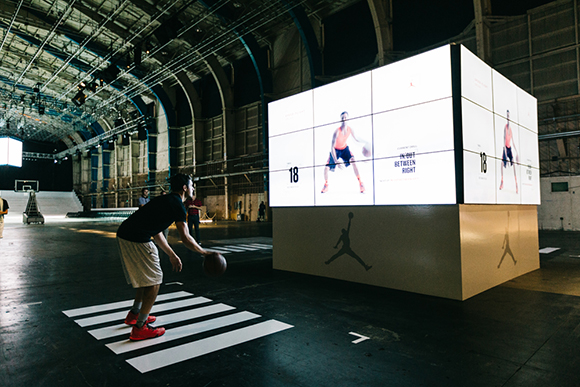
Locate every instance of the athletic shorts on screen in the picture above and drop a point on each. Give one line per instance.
(343, 154)
(507, 155)
(140, 263)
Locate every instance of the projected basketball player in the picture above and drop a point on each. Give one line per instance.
(345, 249)
(339, 150)
(507, 152)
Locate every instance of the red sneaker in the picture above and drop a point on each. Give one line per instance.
(325, 188)
(131, 319)
(146, 332)
(362, 188)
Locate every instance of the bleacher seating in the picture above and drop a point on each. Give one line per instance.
(49, 202)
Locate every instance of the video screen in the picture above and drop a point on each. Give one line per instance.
(500, 140)
(10, 152)
(387, 137)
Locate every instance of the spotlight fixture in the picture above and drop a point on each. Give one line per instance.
(36, 88)
(82, 85)
(79, 98)
(92, 86)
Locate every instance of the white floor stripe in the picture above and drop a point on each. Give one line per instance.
(183, 331)
(548, 250)
(201, 347)
(232, 248)
(261, 245)
(119, 305)
(122, 329)
(248, 247)
(120, 316)
(221, 251)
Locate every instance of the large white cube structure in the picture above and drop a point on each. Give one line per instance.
(422, 175)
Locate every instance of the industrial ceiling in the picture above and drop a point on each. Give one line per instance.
(66, 64)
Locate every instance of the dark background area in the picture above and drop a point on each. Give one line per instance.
(51, 176)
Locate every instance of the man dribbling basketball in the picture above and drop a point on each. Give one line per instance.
(339, 150)
(140, 257)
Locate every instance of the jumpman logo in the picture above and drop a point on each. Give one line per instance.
(345, 249)
(506, 244)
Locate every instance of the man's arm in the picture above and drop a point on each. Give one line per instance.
(361, 140)
(173, 258)
(187, 240)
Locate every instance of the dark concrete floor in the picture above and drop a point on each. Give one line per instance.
(523, 333)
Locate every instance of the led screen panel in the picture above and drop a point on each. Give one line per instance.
(499, 126)
(419, 79)
(478, 155)
(343, 178)
(399, 116)
(294, 188)
(290, 114)
(476, 83)
(4, 150)
(10, 152)
(351, 95)
(413, 178)
(387, 137)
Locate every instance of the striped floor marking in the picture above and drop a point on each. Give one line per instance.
(119, 305)
(201, 347)
(181, 332)
(205, 321)
(239, 248)
(120, 316)
(122, 329)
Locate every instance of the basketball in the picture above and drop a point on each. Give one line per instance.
(366, 150)
(214, 264)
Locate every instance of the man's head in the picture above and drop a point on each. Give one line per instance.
(181, 183)
(145, 192)
(508, 115)
(343, 116)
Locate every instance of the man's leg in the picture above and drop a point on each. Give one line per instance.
(196, 225)
(1, 226)
(190, 224)
(149, 295)
(325, 188)
(355, 169)
(133, 314)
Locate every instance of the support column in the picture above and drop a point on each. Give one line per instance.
(382, 13)
(227, 98)
(482, 9)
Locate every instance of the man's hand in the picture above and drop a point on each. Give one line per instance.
(176, 263)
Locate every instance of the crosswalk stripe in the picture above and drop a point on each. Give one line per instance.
(221, 251)
(261, 245)
(251, 247)
(183, 331)
(122, 329)
(156, 308)
(247, 247)
(118, 305)
(201, 347)
(231, 248)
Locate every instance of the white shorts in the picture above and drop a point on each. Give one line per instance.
(140, 263)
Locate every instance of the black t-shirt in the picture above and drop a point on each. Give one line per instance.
(152, 218)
